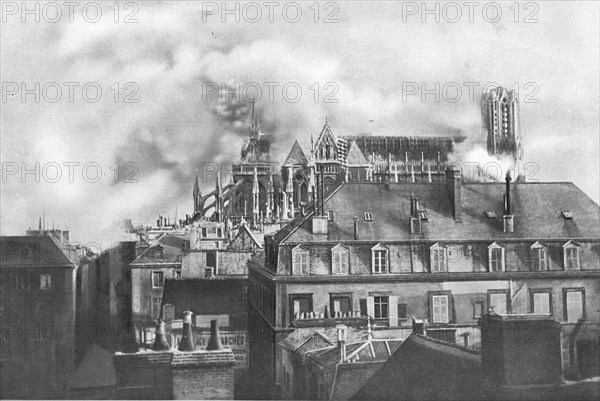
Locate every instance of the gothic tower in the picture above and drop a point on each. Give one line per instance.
(500, 109)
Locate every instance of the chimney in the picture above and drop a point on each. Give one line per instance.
(187, 339)
(214, 343)
(418, 327)
(160, 340)
(454, 190)
(341, 341)
(509, 218)
(356, 229)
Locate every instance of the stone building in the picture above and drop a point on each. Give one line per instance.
(37, 314)
(446, 252)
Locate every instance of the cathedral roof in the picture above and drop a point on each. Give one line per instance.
(400, 147)
(355, 157)
(296, 156)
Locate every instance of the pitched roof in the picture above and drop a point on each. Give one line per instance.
(424, 368)
(296, 156)
(351, 377)
(171, 246)
(355, 156)
(244, 240)
(301, 335)
(364, 351)
(32, 250)
(401, 146)
(536, 208)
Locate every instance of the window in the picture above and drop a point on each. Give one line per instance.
(209, 272)
(330, 215)
(440, 308)
(177, 274)
(341, 303)
(566, 213)
(379, 259)
(157, 279)
(219, 232)
(477, 308)
(300, 261)
(204, 233)
(402, 311)
(22, 281)
(211, 259)
(368, 216)
(380, 308)
(158, 252)
(498, 301)
(299, 304)
(571, 252)
(496, 258)
(541, 301)
(423, 215)
(439, 258)
(574, 304)
(539, 257)
(155, 307)
(168, 312)
(339, 260)
(45, 281)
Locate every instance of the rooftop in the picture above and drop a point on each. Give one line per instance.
(32, 250)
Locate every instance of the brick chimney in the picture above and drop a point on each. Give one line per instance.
(509, 218)
(453, 184)
(187, 338)
(341, 341)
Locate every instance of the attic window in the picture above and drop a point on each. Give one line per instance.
(423, 215)
(567, 214)
(330, 215)
(490, 214)
(368, 216)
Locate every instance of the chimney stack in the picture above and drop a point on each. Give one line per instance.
(356, 229)
(508, 218)
(341, 341)
(418, 327)
(187, 339)
(160, 339)
(214, 343)
(453, 184)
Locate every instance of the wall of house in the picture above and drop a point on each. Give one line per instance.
(143, 292)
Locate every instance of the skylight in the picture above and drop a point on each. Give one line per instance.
(490, 214)
(567, 214)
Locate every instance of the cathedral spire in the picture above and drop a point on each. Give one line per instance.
(197, 196)
(254, 124)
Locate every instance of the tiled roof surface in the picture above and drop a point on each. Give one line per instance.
(171, 250)
(297, 338)
(296, 156)
(34, 250)
(350, 377)
(536, 208)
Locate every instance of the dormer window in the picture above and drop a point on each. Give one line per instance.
(379, 254)
(339, 260)
(566, 213)
(330, 215)
(438, 258)
(158, 252)
(423, 215)
(368, 216)
(300, 261)
(572, 260)
(539, 257)
(496, 258)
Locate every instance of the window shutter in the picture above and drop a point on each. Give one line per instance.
(393, 311)
(371, 306)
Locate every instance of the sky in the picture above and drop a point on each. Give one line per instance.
(133, 101)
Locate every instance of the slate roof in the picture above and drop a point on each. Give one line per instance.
(296, 156)
(351, 377)
(424, 368)
(355, 157)
(172, 251)
(32, 250)
(536, 208)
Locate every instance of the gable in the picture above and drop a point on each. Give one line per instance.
(296, 156)
(244, 240)
(355, 156)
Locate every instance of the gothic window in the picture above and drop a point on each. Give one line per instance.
(496, 258)
(339, 260)
(572, 256)
(300, 261)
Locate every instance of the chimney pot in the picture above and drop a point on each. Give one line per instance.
(214, 343)
(187, 339)
(160, 340)
(453, 183)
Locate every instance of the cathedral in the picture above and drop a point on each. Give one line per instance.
(263, 191)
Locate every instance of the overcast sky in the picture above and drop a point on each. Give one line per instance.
(369, 57)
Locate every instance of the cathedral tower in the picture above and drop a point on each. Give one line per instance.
(500, 109)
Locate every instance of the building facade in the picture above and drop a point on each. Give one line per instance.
(446, 252)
